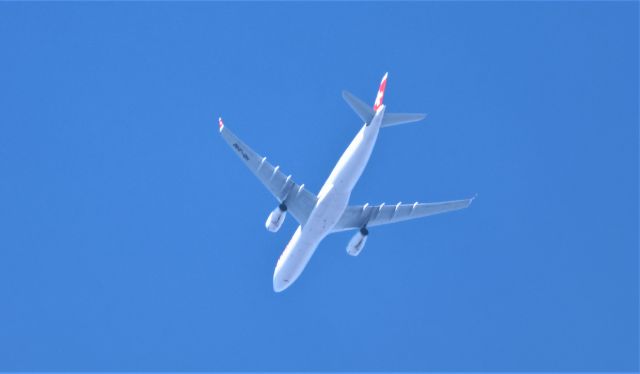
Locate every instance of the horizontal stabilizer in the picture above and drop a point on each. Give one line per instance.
(366, 114)
(363, 110)
(392, 119)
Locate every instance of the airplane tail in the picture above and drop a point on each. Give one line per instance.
(383, 84)
(366, 113)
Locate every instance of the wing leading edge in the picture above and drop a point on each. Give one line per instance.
(358, 216)
(298, 200)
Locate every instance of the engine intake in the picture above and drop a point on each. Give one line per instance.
(356, 244)
(276, 218)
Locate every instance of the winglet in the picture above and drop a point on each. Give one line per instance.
(380, 96)
(220, 123)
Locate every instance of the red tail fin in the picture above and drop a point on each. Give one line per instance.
(383, 85)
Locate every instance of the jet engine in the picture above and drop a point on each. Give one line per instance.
(276, 218)
(357, 242)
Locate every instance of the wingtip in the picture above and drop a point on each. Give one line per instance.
(473, 198)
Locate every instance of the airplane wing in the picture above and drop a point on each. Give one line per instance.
(298, 200)
(358, 216)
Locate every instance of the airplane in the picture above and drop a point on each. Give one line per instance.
(329, 211)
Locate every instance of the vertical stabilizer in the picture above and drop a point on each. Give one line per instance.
(380, 96)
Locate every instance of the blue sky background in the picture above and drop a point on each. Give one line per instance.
(133, 238)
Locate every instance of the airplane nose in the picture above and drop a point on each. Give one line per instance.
(279, 284)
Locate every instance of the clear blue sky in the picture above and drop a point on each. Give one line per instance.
(132, 238)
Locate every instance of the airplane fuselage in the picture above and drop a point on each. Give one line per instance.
(329, 211)
(333, 199)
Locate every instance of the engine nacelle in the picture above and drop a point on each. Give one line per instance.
(357, 242)
(276, 218)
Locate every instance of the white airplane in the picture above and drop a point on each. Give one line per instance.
(329, 212)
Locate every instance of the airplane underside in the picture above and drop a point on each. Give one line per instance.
(330, 211)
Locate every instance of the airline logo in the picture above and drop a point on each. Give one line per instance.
(220, 124)
(383, 85)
